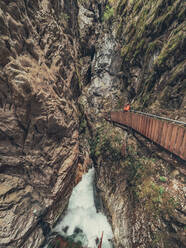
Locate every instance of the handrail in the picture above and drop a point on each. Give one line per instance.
(159, 117)
(169, 135)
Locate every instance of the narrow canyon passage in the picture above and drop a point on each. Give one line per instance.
(82, 221)
(64, 66)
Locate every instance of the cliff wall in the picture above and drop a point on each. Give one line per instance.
(63, 64)
(153, 41)
(39, 145)
(139, 57)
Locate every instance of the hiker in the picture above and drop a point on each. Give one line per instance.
(126, 107)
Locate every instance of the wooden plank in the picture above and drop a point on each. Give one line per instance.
(172, 141)
(160, 131)
(139, 118)
(112, 116)
(141, 124)
(182, 151)
(152, 129)
(130, 119)
(163, 135)
(145, 120)
(125, 118)
(149, 127)
(168, 136)
(146, 125)
(122, 117)
(155, 131)
(179, 140)
(135, 121)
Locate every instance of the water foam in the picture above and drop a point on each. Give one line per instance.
(81, 214)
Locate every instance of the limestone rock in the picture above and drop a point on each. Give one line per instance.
(38, 116)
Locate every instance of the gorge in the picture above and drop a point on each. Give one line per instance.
(63, 65)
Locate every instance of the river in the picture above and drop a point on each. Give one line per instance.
(82, 222)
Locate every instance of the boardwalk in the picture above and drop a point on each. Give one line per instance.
(171, 136)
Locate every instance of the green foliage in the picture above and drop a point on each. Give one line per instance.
(103, 145)
(109, 13)
(176, 41)
(163, 179)
(153, 46)
(144, 188)
(161, 190)
(145, 22)
(93, 144)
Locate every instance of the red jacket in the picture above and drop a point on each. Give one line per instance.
(126, 108)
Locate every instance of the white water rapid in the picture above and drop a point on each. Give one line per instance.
(82, 215)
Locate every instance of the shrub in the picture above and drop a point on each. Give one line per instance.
(102, 145)
(163, 179)
(108, 14)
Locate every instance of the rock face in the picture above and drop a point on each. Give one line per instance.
(153, 49)
(135, 61)
(39, 146)
(63, 64)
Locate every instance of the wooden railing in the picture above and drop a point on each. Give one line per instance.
(163, 132)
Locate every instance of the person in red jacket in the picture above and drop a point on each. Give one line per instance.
(126, 107)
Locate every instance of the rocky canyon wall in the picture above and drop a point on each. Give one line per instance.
(139, 57)
(63, 64)
(153, 41)
(39, 145)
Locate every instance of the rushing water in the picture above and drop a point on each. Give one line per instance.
(82, 222)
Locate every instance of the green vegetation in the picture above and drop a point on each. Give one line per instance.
(177, 40)
(110, 10)
(108, 13)
(154, 46)
(143, 186)
(153, 32)
(163, 179)
(103, 145)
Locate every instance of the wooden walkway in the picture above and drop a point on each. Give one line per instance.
(165, 133)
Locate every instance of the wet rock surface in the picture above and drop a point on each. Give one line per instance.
(101, 95)
(38, 117)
